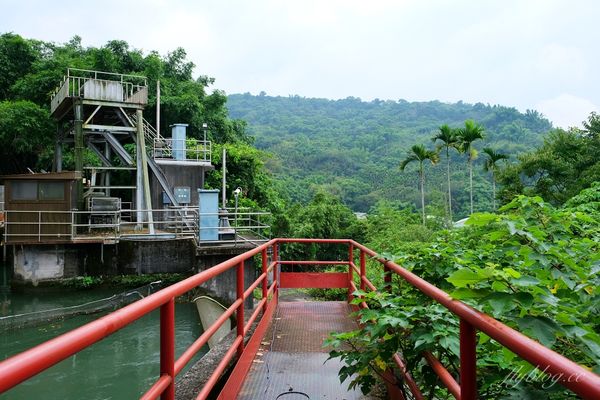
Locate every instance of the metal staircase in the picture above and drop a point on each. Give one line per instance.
(154, 139)
(151, 135)
(157, 171)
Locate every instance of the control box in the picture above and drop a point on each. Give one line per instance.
(183, 194)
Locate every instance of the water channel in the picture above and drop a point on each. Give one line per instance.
(122, 366)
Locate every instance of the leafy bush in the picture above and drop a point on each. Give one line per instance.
(532, 266)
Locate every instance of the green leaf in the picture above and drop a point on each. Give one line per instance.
(524, 298)
(592, 341)
(564, 318)
(541, 328)
(451, 343)
(500, 302)
(464, 277)
(466, 293)
(512, 272)
(481, 219)
(525, 281)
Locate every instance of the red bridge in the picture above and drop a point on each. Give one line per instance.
(291, 342)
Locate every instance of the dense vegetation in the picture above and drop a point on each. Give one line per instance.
(353, 148)
(533, 266)
(565, 164)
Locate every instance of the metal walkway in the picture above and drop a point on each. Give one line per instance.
(292, 363)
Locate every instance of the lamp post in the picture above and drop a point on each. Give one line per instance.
(236, 194)
(204, 130)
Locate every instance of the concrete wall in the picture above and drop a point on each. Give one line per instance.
(224, 286)
(33, 264)
(151, 257)
(36, 264)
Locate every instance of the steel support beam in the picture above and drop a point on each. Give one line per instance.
(99, 153)
(110, 127)
(78, 126)
(117, 147)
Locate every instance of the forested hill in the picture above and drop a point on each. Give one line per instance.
(353, 148)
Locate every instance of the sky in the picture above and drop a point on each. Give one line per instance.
(527, 54)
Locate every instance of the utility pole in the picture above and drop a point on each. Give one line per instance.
(158, 107)
(224, 185)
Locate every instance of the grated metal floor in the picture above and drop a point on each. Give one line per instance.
(291, 363)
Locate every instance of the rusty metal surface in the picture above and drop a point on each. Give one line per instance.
(291, 361)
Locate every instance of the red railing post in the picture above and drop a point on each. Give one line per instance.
(387, 279)
(363, 270)
(350, 270)
(240, 311)
(167, 346)
(265, 282)
(276, 269)
(468, 361)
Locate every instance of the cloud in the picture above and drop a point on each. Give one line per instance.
(567, 63)
(566, 110)
(518, 53)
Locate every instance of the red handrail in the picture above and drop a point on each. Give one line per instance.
(23, 366)
(568, 373)
(29, 363)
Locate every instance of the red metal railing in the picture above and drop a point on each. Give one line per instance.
(35, 360)
(29, 363)
(586, 384)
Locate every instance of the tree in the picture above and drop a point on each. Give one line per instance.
(491, 165)
(420, 154)
(449, 140)
(325, 216)
(467, 135)
(592, 125)
(370, 139)
(16, 58)
(26, 133)
(564, 165)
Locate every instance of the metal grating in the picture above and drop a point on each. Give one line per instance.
(303, 326)
(295, 376)
(292, 363)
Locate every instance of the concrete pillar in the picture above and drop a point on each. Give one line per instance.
(58, 156)
(143, 181)
(139, 172)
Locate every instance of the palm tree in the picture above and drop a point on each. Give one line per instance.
(420, 154)
(491, 165)
(449, 140)
(467, 135)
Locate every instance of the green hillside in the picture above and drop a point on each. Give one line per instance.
(352, 148)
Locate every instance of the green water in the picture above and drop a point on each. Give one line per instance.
(122, 366)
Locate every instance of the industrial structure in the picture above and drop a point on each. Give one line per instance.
(137, 185)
